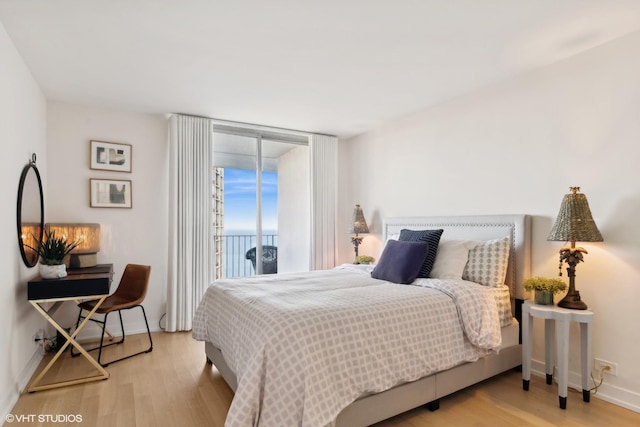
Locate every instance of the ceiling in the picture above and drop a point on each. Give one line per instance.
(339, 67)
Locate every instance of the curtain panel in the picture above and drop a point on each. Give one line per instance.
(324, 191)
(191, 252)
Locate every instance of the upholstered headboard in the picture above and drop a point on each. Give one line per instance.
(480, 227)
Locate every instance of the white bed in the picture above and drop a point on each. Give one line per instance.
(371, 404)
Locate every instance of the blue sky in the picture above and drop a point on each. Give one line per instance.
(240, 200)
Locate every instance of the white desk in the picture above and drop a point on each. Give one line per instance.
(560, 318)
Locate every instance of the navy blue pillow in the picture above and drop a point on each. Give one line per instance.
(400, 262)
(432, 237)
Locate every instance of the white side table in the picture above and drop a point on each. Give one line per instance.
(560, 318)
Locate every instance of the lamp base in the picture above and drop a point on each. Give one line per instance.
(83, 260)
(572, 301)
(356, 240)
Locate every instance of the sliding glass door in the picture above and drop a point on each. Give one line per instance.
(262, 213)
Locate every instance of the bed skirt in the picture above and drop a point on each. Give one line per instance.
(373, 408)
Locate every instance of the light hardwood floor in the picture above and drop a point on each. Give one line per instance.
(173, 386)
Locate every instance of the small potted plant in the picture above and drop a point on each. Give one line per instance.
(544, 288)
(364, 259)
(52, 251)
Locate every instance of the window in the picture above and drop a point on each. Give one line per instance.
(262, 201)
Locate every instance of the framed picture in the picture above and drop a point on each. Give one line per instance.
(110, 193)
(110, 156)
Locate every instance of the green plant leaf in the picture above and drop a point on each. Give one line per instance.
(53, 249)
(538, 283)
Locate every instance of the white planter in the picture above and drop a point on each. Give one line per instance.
(52, 271)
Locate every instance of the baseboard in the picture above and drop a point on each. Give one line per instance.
(609, 393)
(22, 381)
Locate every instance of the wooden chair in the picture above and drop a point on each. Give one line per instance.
(131, 291)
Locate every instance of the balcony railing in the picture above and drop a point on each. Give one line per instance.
(235, 248)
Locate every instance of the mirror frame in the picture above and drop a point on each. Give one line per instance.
(31, 166)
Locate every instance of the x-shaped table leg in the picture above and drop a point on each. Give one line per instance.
(70, 339)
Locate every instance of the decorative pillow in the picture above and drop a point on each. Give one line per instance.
(451, 258)
(432, 237)
(400, 262)
(488, 262)
(391, 237)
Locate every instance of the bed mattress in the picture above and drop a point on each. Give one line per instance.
(304, 346)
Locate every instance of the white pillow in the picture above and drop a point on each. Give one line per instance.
(391, 237)
(451, 258)
(488, 262)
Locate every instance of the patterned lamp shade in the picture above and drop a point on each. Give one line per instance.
(358, 223)
(574, 222)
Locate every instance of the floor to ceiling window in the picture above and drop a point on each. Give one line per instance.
(262, 223)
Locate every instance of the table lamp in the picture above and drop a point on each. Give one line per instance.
(88, 236)
(574, 223)
(358, 226)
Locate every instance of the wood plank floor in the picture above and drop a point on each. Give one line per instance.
(174, 386)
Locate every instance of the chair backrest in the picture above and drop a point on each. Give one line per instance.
(134, 283)
(269, 258)
(269, 253)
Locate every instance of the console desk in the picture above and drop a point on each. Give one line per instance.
(90, 283)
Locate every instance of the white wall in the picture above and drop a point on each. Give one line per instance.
(137, 235)
(22, 132)
(517, 147)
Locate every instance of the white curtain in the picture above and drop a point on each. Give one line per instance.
(191, 254)
(324, 190)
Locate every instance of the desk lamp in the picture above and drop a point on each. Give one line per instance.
(88, 236)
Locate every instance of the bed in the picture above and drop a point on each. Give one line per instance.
(292, 371)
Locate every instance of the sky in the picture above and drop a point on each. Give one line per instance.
(240, 200)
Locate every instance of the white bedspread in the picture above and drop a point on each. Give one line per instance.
(304, 346)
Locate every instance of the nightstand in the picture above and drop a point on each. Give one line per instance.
(557, 319)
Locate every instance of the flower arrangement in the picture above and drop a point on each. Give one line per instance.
(364, 259)
(544, 284)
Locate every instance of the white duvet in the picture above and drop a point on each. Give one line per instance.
(304, 346)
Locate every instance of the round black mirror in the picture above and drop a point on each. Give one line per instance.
(30, 212)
